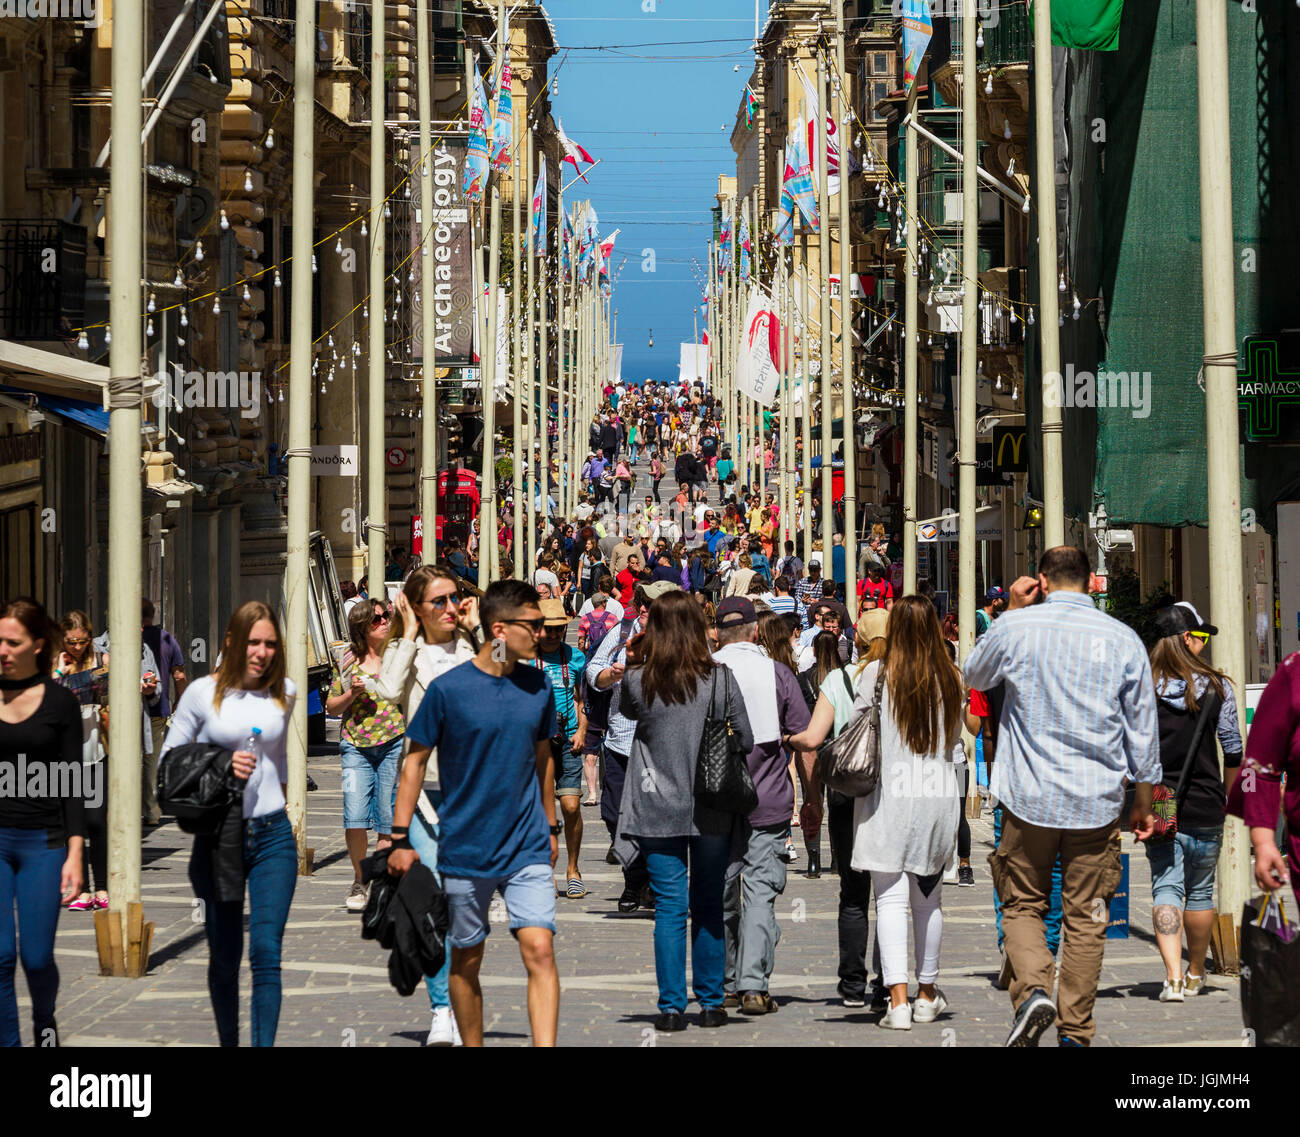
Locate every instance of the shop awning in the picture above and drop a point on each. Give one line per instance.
(48, 372)
(88, 416)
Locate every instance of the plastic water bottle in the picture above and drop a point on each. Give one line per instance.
(253, 743)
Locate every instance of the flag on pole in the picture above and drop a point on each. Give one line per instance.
(798, 176)
(811, 104)
(566, 235)
(539, 211)
(1089, 25)
(606, 255)
(751, 107)
(758, 364)
(573, 153)
(477, 159)
(724, 239)
(746, 245)
(503, 121)
(917, 30)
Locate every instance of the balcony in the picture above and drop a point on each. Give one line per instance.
(42, 279)
(1007, 42)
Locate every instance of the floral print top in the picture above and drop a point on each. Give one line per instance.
(370, 720)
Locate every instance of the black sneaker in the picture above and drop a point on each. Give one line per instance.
(1036, 1014)
(879, 999)
(647, 898)
(850, 999)
(669, 1022)
(627, 902)
(965, 876)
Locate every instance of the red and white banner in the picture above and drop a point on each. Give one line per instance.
(758, 365)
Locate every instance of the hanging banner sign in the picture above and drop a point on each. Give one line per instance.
(451, 290)
(758, 371)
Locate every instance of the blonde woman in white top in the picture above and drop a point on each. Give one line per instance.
(433, 634)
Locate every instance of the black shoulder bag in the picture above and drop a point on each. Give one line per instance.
(722, 777)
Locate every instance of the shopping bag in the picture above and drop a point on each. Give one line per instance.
(1270, 973)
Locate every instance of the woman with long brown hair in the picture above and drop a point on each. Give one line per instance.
(245, 707)
(432, 634)
(905, 829)
(1182, 870)
(41, 837)
(670, 690)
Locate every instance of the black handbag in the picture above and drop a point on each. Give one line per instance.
(722, 778)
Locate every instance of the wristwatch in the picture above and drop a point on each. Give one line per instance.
(557, 828)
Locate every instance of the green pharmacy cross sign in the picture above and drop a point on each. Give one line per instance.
(1264, 387)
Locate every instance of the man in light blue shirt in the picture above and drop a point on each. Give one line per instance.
(1078, 719)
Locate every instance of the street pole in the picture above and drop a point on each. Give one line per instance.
(527, 390)
(572, 341)
(1222, 451)
(909, 357)
(428, 317)
(846, 336)
(543, 420)
(824, 249)
(805, 365)
(970, 337)
(126, 394)
(487, 537)
(787, 412)
(1049, 304)
(296, 578)
(517, 337)
(376, 506)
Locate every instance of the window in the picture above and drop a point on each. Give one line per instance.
(879, 91)
(880, 63)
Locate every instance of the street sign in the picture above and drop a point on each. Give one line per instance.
(396, 457)
(1010, 451)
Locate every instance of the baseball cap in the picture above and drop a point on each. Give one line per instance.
(656, 588)
(814, 563)
(553, 612)
(1179, 618)
(997, 592)
(735, 611)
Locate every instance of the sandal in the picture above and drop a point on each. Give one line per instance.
(576, 890)
(591, 801)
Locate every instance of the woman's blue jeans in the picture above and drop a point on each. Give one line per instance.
(271, 870)
(666, 860)
(424, 840)
(30, 872)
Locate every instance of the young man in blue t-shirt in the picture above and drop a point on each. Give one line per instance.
(492, 722)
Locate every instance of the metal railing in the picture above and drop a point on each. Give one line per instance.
(42, 279)
(1008, 40)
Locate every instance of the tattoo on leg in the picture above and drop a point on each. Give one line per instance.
(1168, 919)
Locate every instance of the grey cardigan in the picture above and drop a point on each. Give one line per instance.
(658, 794)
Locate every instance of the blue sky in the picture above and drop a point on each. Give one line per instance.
(656, 116)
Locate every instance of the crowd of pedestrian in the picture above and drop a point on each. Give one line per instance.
(476, 728)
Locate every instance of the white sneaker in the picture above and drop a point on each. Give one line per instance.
(927, 1010)
(897, 1018)
(1172, 991)
(789, 854)
(357, 897)
(442, 1031)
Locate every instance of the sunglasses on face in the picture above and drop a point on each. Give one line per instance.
(1204, 637)
(535, 626)
(379, 618)
(441, 601)
(76, 643)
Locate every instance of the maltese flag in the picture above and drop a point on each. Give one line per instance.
(573, 153)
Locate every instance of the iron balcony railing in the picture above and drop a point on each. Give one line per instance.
(1007, 40)
(42, 279)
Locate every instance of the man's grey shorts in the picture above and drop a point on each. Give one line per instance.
(529, 895)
